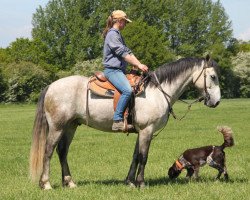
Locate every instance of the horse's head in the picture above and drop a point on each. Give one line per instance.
(207, 81)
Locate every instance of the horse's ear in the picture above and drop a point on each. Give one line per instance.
(207, 57)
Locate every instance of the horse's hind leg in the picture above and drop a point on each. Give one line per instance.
(52, 140)
(62, 151)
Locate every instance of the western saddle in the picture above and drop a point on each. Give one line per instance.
(99, 85)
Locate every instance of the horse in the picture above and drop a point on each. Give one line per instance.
(62, 107)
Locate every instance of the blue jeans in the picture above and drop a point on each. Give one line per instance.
(119, 80)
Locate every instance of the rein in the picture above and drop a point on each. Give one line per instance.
(166, 95)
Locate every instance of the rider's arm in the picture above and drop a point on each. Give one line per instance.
(130, 58)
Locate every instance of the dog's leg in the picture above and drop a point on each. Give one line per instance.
(219, 174)
(190, 172)
(196, 172)
(221, 169)
(225, 173)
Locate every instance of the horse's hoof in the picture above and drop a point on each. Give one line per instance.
(68, 182)
(142, 185)
(72, 185)
(46, 186)
(130, 184)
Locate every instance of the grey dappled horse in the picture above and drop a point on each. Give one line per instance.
(62, 107)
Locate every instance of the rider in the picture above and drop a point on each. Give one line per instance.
(115, 57)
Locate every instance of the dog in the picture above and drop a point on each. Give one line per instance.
(214, 156)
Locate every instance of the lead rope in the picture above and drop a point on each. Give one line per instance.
(165, 95)
(87, 105)
(170, 107)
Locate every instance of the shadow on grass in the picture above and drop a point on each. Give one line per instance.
(164, 181)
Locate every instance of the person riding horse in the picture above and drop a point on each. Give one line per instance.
(115, 57)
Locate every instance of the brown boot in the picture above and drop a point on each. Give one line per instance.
(120, 126)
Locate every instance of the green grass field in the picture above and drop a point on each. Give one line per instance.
(100, 161)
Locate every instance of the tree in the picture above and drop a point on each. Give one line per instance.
(148, 44)
(71, 28)
(25, 81)
(241, 64)
(5, 56)
(244, 46)
(24, 49)
(3, 86)
(233, 46)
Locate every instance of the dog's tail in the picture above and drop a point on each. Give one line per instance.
(228, 136)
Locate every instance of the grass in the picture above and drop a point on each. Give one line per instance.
(100, 161)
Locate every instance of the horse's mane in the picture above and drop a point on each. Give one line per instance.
(170, 71)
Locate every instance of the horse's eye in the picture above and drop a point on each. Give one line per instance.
(213, 77)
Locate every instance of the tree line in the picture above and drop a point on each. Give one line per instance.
(66, 40)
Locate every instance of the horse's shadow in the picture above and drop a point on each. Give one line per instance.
(151, 182)
(163, 181)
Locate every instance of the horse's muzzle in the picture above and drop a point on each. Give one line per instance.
(211, 105)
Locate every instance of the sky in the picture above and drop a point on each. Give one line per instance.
(16, 17)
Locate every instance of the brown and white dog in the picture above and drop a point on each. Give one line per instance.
(214, 156)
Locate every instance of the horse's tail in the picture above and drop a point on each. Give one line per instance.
(40, 130)
(228, 136)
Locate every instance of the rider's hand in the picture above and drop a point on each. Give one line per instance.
(143, 67)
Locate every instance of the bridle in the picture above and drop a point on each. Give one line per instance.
(167, 96)
(207, 95)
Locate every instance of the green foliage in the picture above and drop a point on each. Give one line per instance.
(34, 51)
(86, 68)
(3, 86)
(20, 50)
(148, 44)
(194, 27)
(67, 38)
(5, 56)
(229, 84)
(233, 46)
(241, 68)
(219, 27)
(244, 46)
(24, 70)
(71, 29)
(25, 81)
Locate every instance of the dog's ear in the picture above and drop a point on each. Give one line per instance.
(173, 172)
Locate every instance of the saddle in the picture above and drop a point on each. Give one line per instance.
(99, 85)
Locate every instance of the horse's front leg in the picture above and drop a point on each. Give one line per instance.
(130, 180)
(144, 143)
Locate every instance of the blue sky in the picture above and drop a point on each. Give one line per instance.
(16, 16)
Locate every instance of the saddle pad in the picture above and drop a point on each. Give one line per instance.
(97, 90)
